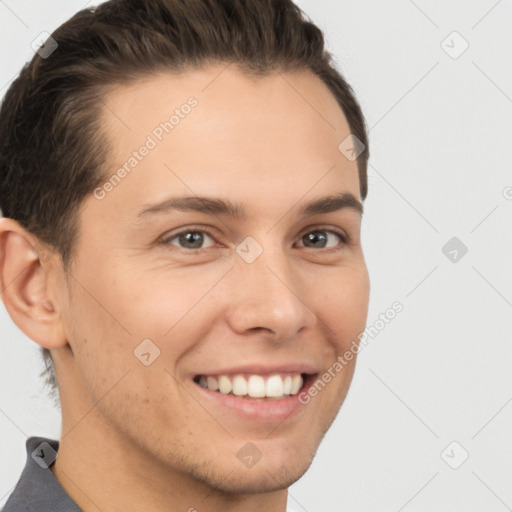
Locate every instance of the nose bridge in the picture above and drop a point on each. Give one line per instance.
(267, 292)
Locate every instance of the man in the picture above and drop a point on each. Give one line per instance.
(182, 187)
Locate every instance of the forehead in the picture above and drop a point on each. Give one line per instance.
(253, 131)
(224, 88)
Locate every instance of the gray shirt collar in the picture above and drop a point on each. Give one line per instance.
(37, 489)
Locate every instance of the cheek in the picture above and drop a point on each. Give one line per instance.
(159, 303)
(99, 334)
(344, 312)
(345, 306)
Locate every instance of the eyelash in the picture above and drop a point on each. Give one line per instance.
(345, 239)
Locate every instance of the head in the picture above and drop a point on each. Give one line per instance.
(237, 106)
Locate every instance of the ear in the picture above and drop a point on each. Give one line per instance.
(24, 270)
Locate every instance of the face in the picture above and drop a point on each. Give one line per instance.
(248, 289)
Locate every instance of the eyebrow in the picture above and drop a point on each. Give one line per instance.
(227, 208)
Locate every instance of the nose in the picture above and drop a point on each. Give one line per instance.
(268, 297)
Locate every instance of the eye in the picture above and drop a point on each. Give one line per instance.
(190, 239)
(319, 238)
(193, 239)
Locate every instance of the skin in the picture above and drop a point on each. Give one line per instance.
(142, 437)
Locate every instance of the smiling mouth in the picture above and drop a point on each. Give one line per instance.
(276, 386)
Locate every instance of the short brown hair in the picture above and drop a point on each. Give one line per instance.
(52, 154)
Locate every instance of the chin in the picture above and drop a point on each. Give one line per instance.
(265, 479)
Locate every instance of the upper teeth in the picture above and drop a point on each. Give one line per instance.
(256, 386)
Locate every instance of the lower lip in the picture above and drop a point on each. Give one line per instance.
(264, 411)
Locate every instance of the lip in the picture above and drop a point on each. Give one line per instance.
(262, 369)
(256, 410)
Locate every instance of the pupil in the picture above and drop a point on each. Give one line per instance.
(190, 236)
(315, 236)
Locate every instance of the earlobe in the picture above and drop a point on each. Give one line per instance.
(23, 285)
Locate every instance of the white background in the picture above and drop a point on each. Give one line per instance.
(441, 139)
